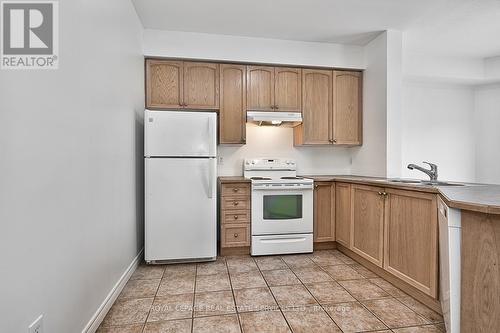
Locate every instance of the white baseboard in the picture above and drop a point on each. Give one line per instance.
(98, 317)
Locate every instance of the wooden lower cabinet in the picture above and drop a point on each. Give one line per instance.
(233, 235)
(480, 272)
(343, 214)
(324, 212)
(367, 229)
(411, 238)
(234, 216)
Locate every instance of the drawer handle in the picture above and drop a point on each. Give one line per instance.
(235, 235)
(235, 217)
(236, 203)
(235, 189)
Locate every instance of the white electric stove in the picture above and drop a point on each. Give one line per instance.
(282, 207)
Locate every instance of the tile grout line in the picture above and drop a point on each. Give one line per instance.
(272, 294)
(154, 298)
(320, 305)
(194, 296)
(234, 297)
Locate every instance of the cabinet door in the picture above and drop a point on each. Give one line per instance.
(232, 116)
(324, 211)
(260, 88)
(288, 89)
(367, 230)
(201, 85)
(164, 80)
(316, 108)
(343, 214)
(347, 123)
(411, 238)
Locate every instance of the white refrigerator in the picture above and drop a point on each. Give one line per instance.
(180, 186)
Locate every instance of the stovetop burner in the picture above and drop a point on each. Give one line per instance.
(260, 178)
(292, 177)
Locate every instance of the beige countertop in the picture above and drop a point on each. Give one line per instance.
(484, 198)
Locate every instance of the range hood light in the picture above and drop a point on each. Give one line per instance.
(276, 122)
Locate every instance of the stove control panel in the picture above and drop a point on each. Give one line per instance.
(270, 164)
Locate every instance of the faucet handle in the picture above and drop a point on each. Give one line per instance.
(432, 165)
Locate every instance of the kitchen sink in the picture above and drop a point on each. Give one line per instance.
(423, 182)
(438, 183)
(406, 181)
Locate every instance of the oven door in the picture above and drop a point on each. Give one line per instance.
(282, 209)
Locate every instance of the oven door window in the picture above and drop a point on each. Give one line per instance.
(282, 207)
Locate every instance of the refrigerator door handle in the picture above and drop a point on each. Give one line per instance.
(211, 135)
(211, 180)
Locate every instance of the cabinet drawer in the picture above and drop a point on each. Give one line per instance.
(235, 216)
(236, 202)
(235, 189)
(235, 235)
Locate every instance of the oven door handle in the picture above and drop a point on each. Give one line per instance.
(258, 188)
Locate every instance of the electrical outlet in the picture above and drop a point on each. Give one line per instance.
(36, 326)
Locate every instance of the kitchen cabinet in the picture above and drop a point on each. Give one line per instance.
(274, 88)
(343, 214)
(347, 105)
(232, 114)
(201, 85)
(182, 85)
(260, 88)
(234, 216)
(367, 229)
(411, 238)
(316, 108)
(324, 212)
(287, 89)
(164, 84)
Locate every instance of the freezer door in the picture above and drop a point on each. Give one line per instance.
(180, 208)
(180, 133)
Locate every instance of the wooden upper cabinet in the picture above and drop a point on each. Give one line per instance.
(347, 105)
(232, 116)
(201, 85)
(164, 84)
(411, 238)
(324, 212)
(260, 88)
(367, 229)
(343, 214)
(316, 108)
(287, 89)
(182, 84)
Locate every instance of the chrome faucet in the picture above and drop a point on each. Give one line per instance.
(432, 173)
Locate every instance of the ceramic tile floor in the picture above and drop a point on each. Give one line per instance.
(320, 292)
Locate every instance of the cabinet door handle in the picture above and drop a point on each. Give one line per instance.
(235, 235)
(380, 193)
(334, 140)
(235, 189)
(236, 203)
(276, 107)
(235, 217)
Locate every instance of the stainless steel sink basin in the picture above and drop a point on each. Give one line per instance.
(438, 183)
(423, 182)
(406, 181)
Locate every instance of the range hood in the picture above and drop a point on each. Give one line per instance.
(274, 118)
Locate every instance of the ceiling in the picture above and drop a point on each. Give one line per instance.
(462, 27)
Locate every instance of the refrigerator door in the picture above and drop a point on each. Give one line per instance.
(180, 133)
(180, 209)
